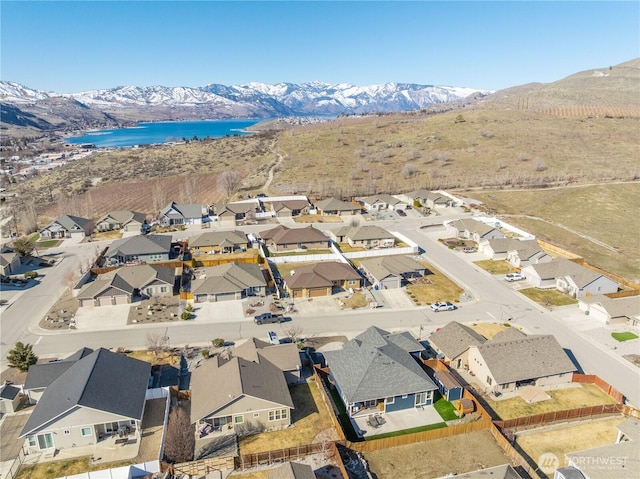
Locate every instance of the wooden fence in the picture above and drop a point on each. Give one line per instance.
(604, 386)
(204, 466)
(624, 294)
(565, 415)
(327, 401)
(517, 459)
(367, 446)
(247, 461)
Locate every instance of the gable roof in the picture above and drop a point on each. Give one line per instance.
(216, 383)
(617, 307)
(455, 338)
(384, 266)
(124, 216)
(527, 358)
(228, 278)
(292, 470)
(284, 235)
(384, 198)
(127, 279)
(7, 258)
(103, 380)
(184, 210)
(9, 392)
(473, 226)
(289, 204)
(333, 204)
(148, 244)
(373, 365)
(284, 356)
(41, 375)
(508, 334)
(363, 233)
(71, 223)
(320, 275)
(562, 267)
(218, 238)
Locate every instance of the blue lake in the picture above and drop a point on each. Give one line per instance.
(162, 132)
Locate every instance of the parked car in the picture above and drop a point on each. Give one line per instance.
(469, 249)
(442, 306)
(261, 195)
(514, 277)
(273, 337)
(401, 213)
(266, 318)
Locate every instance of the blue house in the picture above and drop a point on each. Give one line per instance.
(139, 249)
(377, 372)
(447, 385)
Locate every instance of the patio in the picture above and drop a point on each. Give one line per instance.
(397, 421)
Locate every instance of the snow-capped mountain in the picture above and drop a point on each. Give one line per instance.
(255, 100)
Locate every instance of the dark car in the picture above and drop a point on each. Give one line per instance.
(401, 213)
(261, 195)
(266, 318)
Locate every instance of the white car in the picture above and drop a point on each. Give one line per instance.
(514, 277)
(442, 306)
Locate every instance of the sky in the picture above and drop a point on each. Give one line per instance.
(76, 46)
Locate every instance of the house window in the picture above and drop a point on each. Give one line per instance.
(67, 432)
(277, 415)
(238, 419)
(32, 440)
(163, 289)
(505, 386)
(86, 431)
(149, 291)
(391, 400)
(489, 380)
(256, 414)
(420, 398)
(45, 441)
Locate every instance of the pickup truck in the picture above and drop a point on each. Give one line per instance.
(266, 318)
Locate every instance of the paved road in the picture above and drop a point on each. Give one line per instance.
(493, 300)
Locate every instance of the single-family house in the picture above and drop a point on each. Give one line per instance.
(391, 272)
(504, 365)
(10, 399)
(377, 372)
(472, 229)
(382, 202)
(426, 198)
(67, 226)
(367, 236)
(282, 238)
(41, 375)
(100, 394)
(232, 212)
(175, 214)
(335, 207)
(123, 285)
(619, 460)
(292, 470)
(230, 281)
(285, 356)
(127, 221)
(451, 343)
(138, 249)
(9, 263)
(570, 278)
(519, 252)
(239, 395)
(290, 208)
(612, 310)
(219, 242)
(320, 279)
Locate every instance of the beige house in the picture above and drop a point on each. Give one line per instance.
(452, 342)
(238, 395)
(368, 236)
(503, 364)
(321, 279)
(335, 207)
(472, 229)
(213, 242)
(128, 221)
(67, 226)
(282, 238)
(229, 281)
(9, 263)
(290, 208)
(612, 310)
(285, 356)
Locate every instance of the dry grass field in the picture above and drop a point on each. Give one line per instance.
(435, 287)
(570, 438)
(599, 222)
(561, 399)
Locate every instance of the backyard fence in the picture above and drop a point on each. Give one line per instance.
(566, 415)
(204, 466)
(513, 454)
(266, 458)
(604, 386)
(327, 401)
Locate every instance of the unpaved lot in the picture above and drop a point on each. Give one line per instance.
(569, 438)
(426, 460)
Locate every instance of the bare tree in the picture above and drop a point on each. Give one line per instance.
(188, 192)
(539, 164)
(180, 439)
(409, 170)
(156, 343)
(294, 332)
(159, 195)
(523, 157)
(230, 182)
(68, 278)
(29, 218)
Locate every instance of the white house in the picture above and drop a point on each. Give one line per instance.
(612, 310)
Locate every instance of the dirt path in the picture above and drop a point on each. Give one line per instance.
(273, 168)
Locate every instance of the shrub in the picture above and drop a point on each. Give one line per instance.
(218, 342)
(185, 315)
(30, 274)
(205, 353)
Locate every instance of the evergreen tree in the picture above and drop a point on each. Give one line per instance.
(21, 357)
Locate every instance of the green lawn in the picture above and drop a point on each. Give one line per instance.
(444, 408)
(495, 267)
(428, 427)
(548, 297)
(47, 243)
(624, 336)
(343, 417)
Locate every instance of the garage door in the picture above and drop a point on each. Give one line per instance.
(122, 299)
(314, 293)
(87, 303)
(297, 293)
(105, 301)
(225, 296)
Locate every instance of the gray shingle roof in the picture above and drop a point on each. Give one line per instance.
(617, 307)
(216, 383)
(384, 198)
(189, 210)
(455, 338)
(374, 367)
(9, 392)
(292, 470)
(228, 278)
(103, 381)
(285, 356)
(289, 204)
(473, 226)
(218, 238)
(281, 235)
(508, 334)
(127, 279)
(320, 275)
(43, 374)
(124, 216)
(140, 245)
(559, 267)
(71, 223)
(384, 266)
(333, 204)
(363, 233)
(591, 461)
(527, 358)
(7, 258)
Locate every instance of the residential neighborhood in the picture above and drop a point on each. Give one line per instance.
(231, 322)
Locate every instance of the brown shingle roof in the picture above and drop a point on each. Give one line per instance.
(320, 275)
(455, 338)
